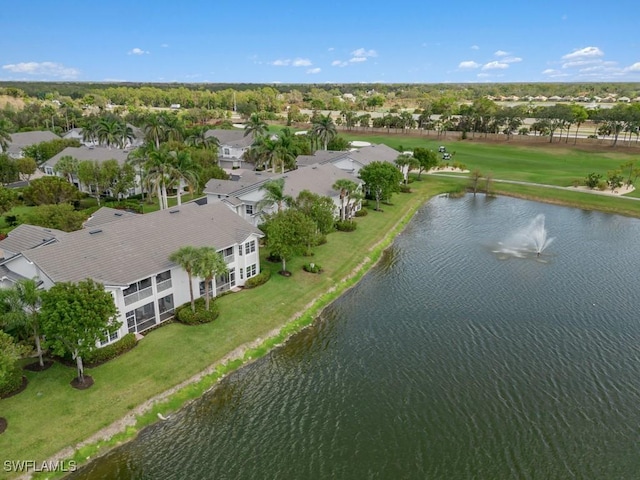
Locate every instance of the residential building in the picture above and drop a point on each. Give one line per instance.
(244, 193)
(129, 255)
(19, 141)
(350, 161)
(233, 144)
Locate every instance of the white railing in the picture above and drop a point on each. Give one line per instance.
(163, 285)
(139, 295)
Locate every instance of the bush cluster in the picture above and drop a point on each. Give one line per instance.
(258, 280)
(346, 225)
(405, 189)
(11, 381)
(104, 354)
(312, 268)
(185, 315)
(362, 212)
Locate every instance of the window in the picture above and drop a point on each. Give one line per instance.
(226, 151)
(137, 291)
(252, 271)
(48, 170)
(210, 288)
(241, 273)
(141, 318)
(166, 307)
(250, 247)
(227, 254)
(163, 280)
(248, 209)
(109, 337)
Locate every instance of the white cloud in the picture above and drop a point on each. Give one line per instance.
(483, 75)
(357, 59)
(137, 51)
(361, 52)
(501, 53)
(330, 49)
(164, 45)
(281, 63)
(314, 70)
(301, 62)
(338, 63)
(468, 64)
(48, 69)
(633, 68)
(475, 47)
(587, 52)
(511, 60)
(495, 65)
(581, 63)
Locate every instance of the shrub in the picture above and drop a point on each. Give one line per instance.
(104, 354)
(312, 268)
(185, 315)
(346, 225)
(10, 381)
(405, 189)
(258, 280)
(362, 213)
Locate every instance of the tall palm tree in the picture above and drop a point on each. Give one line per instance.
(187, 258)
(346, 187)
(109, 132)
(90, 131)
(199, 139)
(209, 264)
(256, 126)
(125, 133)
(186, 172)
(22, 303)
(160, 173)
(154, 130)
(324, 129)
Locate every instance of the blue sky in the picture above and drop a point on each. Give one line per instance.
(277, 41)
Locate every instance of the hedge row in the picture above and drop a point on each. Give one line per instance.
(346, 225)
(185, 315)
(104, 354)
(258, 280)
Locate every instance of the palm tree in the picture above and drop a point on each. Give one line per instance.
(199, 139)
(108, 132)
(159, 174)
(324, 129)
(256, 126)
(274, 194)
(187, 258)
(346, 188)
(154, 130)
(22, 304)
(186, 172)
(209, 264)
(126, 134)
(90, 131)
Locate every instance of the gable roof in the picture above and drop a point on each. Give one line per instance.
(240, 180)
(26, 237)
(24, 139)
(106, 215)
(364, 155)
(99, 154)
(318, 179)
(136, 247)
(231, 138)
(320, 156)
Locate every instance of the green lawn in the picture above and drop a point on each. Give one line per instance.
(49, 415)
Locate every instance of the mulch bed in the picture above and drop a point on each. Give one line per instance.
(35, 367)
(3, 425)
(285, 273)
(88, 382)
(25, 382)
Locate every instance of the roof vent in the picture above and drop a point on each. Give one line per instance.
(174, 211)
(93, 232)
(118, 214)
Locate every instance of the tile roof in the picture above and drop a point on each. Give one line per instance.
(122, 252)
(25, 139)
(100, 154)
(106, 215)
(320, 156)
(241, 179)
(232, 138)
(26, 237)
(318, 179)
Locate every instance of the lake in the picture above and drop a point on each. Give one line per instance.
(459, 356)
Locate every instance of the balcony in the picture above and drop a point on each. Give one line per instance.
(139, 295)
(164, 285)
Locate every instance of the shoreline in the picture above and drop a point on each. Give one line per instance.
(128, 427)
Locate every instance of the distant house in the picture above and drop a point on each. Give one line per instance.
(129, 255)
(77, 134)
(98, 154)
(19, 141)
(233, 144)
(350, 161)
(243, 193)
(175, 106)
(624, 99)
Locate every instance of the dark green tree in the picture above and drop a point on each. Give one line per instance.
(427, 159)
(289, 233)
(75, 317)
(381, 179)
(50, 190)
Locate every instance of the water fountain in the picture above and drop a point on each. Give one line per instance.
(532, 239)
